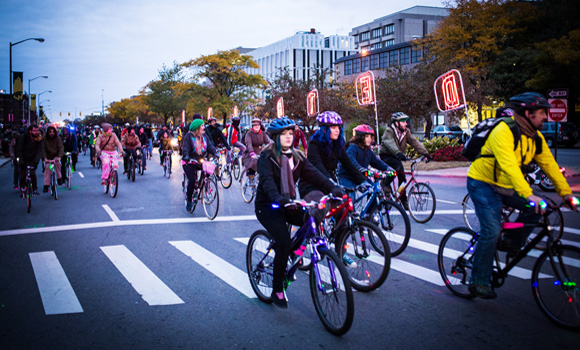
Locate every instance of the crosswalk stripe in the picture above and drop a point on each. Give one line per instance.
(143, 280)
(111, 213)
(56, 292)
(217, 266)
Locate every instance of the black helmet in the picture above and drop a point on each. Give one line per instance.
(280, 124)
(530, 100)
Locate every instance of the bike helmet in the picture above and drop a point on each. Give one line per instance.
(235, 119)
(399, 117)
(97, 127)
(329, 118)
(363, 129)
(256, 121)
(280, 124)
(127, 125)
(530, 100)
(504, 112)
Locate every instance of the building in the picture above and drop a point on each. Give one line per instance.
(19, 110)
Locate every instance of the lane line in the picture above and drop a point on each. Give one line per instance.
(111, 213)
(227, 272)
(442, 201)
(143, 280)
(81, 175)
(56, 292)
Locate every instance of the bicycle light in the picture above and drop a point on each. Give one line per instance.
(275, 206)
(574, 201)
(543, 204)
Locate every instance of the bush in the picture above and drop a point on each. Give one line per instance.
(434, 144)
(448, 154)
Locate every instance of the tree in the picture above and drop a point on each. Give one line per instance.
(128, 109)
(162, 95)
(229, 84)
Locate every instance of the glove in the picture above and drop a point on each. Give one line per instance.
(336, 192)
(428, 158)
(400, 156)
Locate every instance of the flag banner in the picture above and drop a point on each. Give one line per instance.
(17, 85)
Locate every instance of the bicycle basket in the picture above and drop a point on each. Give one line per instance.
(208, 167)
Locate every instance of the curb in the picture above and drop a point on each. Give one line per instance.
(5, 162)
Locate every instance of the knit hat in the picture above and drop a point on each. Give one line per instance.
(195, 124)
(106, 126)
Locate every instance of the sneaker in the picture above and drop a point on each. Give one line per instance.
(144, 168)
(280, 303)
(405, 204)
(482, 290)
(35, 193)
(45, 189)
(189, 206)
(125, 172)
(348, 261)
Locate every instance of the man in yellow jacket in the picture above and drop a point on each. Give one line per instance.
(497, 178)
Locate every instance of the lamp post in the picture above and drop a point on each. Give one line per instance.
(40, 40)
(30, 94)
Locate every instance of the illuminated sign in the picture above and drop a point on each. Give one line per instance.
(449, 92)
(209, 112)
(312, 106)
(280, 107)
(236, 111)
(365, 88)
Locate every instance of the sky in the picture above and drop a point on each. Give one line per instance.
(107, 50)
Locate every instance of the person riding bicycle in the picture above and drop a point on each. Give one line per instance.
(255, 140)
(299, 136)
(216, 134)
(108, 143)
(143, 140)
(233, 132)
(28, 150)
(280, 166)
(196, 146)
(164, 145)
(394, 145)
(53, 150)
(496, 178)
(130, 144)
(125, 130)
(149, 134)
(69, 141)
(92, 139)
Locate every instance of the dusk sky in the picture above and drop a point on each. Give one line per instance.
(113, 48)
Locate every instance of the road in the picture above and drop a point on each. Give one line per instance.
(138, 272)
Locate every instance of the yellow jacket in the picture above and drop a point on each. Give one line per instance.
(507, 162)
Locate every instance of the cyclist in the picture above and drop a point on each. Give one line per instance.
(52, 149)
(196, 147)
(28, 150)
(255, 140)
(299, 136)
(496, 178)
(233, 132)
(92, 139)
(280, 166)
(125, 130)
(216, 134)
(164, 145)
(108, 143)
(69, 141)
(393, 147)
(12, 150)
(130, 144)
(143, 139)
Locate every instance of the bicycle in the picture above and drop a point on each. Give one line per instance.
(208, 194)
(98, 162)
(68, 169)
(555, 275)
(330, 286)
(236, 164)
(131, 168)
(248, 186)
(112, 182)
(421, 197)
(167, 162)
(223, 170)
(53, 180)
(28, 192)
(140, 161)
(387, 215)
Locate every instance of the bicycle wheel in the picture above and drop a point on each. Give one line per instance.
(469, 217)
(29, 194)
(556, 285)
(132, 169)
(546, 184)
(98, 163)
(225, 177)
(421, 202)
(53, 185)
(555, 220)
(69, 176)
(184, 184)
(247, 186)
(114, 183)
(169, 166)
(211, 198)
(331, 292)
(236, 167)
(367, 263)
(393, 221)
(454, 259)
(260, 264)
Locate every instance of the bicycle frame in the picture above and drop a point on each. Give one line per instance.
(395, 183)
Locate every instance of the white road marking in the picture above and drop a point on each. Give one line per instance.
(143, 280)
(81, 174)
(442, 201)
(228, 273)
(56, 292)
(111, 213)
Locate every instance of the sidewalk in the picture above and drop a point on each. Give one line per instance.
(462, 172)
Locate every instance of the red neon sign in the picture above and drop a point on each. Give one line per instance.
(280, 107)
(449, 91)
(312, 103)
(236, 111)
(366, 84)
(209, 112)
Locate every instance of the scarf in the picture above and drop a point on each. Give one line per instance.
(286, 178)
(199, 145)
(400, 135)
(526, 126)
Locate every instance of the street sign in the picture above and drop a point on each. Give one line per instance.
(558, 93)
(312, 105)
(559, 112)
(365, 83)
(449, 92)
(280, 107)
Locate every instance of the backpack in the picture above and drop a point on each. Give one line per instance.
(472, 148)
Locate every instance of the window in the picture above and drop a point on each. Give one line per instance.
(365, 36)
(347, 70)
(377, 33)
(376, 46)
(383, 59)
(404, 55)
(356, 66)
(364, 64)
(356, 39)
(415, 55)
(389, 42)
(374, 61)
(390, 29)
(394, 57)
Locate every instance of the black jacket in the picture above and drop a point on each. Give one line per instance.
(28, 150)
(217, 136)
(188, 149)
(269, 184)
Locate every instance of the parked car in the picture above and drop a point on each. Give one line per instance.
(452, 132)
(567, 133)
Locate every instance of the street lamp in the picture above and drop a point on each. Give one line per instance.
(40, 40)
(30, 94)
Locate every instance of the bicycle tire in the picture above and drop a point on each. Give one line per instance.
(53, 184)
(69, 176)
(29, 194)
(470, 219)
(394, 223)
(371, 265)
(132, 170)
(114, 183)
(332, 297)
(454, 259)
(546, 184)
(106, 185)
(236, 167)
(260, 264)
(247, 189)
(225, 178)
(211, 198)
(418, 197)
(169, 166)
(98, 163)
(563, 283)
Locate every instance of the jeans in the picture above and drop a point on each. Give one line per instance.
(488, 205)
(150, 147)
(190, 171)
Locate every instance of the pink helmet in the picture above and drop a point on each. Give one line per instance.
(329, 118)
(363, 129)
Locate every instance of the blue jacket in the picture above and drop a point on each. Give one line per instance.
(362, 158)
